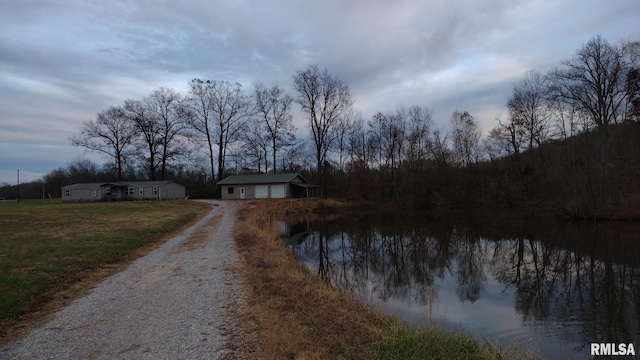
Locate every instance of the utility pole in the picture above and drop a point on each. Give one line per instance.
(18, 186)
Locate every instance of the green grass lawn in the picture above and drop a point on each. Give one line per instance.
(47, 245)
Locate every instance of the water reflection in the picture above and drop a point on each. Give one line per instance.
(552, 285)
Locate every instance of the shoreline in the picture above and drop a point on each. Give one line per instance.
(291, 313)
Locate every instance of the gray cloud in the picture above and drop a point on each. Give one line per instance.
(61, 62)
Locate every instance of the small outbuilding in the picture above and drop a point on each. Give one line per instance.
(267, 186)
(123, 190)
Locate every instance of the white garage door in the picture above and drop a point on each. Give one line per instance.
(277, 191)
(262, 191)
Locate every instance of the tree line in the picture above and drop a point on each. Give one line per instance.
(569, 141)
(152, 136)
(568, 138)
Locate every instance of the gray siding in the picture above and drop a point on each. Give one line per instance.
(83, 194)
(170, 191)
(224, 192)
(167, 191)
(285, 185)
(250, 191)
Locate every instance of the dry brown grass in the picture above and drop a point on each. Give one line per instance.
(295, 314)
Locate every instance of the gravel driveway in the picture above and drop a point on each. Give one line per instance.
(170, 304)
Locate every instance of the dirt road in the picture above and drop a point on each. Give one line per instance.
(172, 303)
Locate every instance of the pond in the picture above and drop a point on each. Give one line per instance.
(537, 282)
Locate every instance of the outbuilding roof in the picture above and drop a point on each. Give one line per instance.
(259, 179)
(117, 184)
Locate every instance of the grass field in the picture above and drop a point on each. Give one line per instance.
(47, 246)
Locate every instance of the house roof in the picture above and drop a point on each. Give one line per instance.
(117, 183)
(259, 179)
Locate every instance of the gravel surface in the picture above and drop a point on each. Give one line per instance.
(170, 304)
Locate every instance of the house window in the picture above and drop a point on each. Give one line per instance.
(130, 191)
(230, 190)
(67, 192)
(140, 191)
(155, 190)
(94, 192)
(108, 191)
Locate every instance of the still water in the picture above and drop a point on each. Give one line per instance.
(537, 282)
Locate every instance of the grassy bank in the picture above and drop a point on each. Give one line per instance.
(47, 248)
(290, 313)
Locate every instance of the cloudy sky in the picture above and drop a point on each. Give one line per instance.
(61, 62)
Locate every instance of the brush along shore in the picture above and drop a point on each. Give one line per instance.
(291, 314)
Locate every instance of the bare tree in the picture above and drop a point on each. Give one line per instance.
(166, 106)
(200, 116)
(359, 163)
(273, 107)
(387, 132)
(632, 88)
(529, 122)
(529, 112)
(324, 99)
(439, 150)
(82, 170)
(568, 118)
(218, 110)
(231, 109)
(632, 83)
(466, 138)
(296, 157)
(159, 123)
(387, 135)
(505, 139)
(257, 142)
(147, 129)
(344, 130)
(594, 85)
(420, 120)
(595, 80)
(357, 142)
(111, 134)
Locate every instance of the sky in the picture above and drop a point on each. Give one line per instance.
(62, 62)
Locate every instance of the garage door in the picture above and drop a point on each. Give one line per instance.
(277, 191)
(262, 191)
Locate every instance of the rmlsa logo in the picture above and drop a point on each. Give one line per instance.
(612, 349)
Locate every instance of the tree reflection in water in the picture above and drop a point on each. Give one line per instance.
(571, 283)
